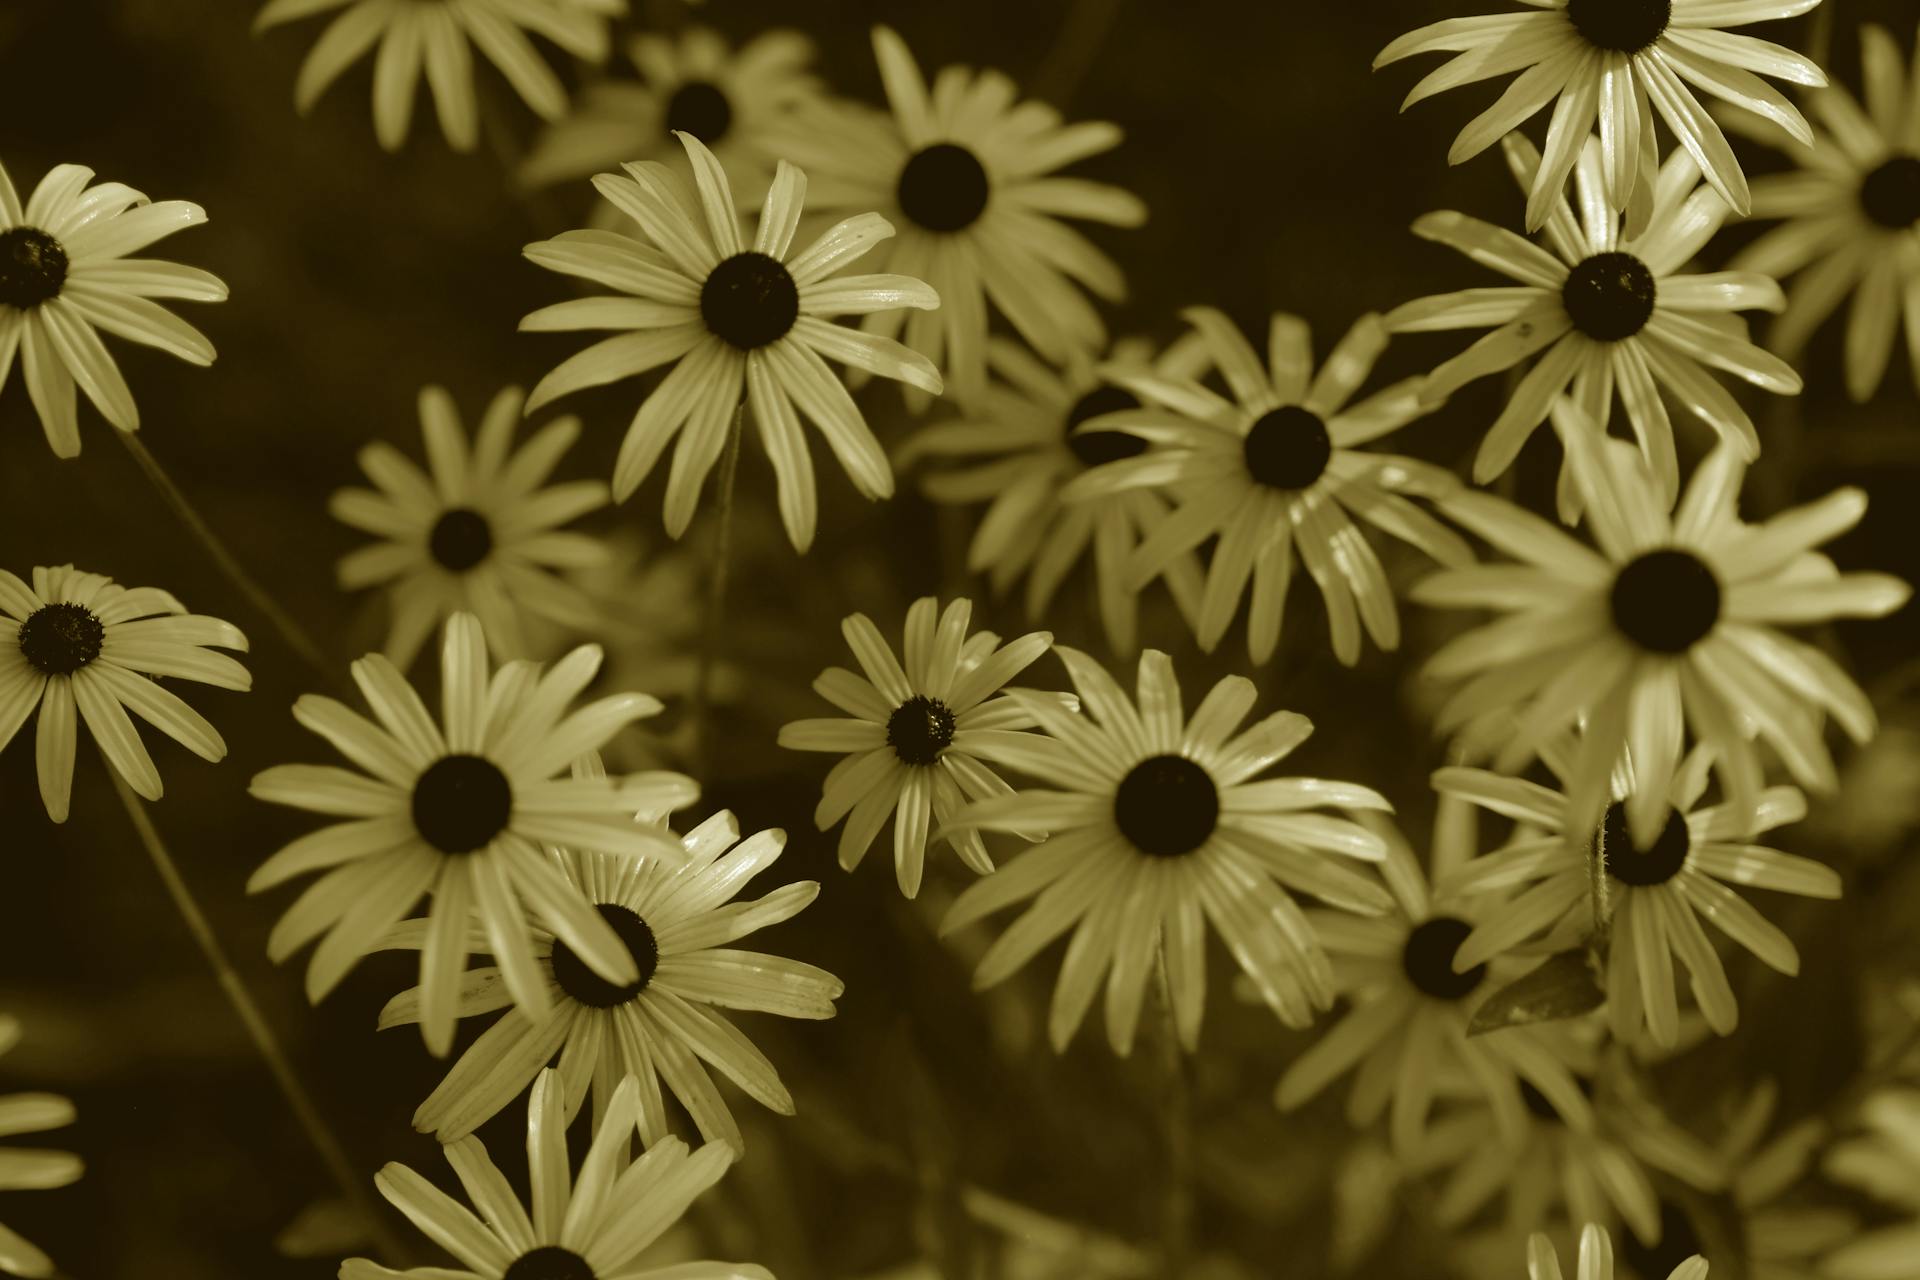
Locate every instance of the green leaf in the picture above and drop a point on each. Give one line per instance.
(1563, 986)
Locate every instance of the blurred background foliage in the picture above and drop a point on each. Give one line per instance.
(1279, 175)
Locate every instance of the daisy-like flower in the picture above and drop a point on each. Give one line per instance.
(458, 810)
(65, 273)
(1617, 62)
(433, 36)
(915, 735)
(576, 1225)
(30, 1169)
(475, 532)
(1884, 1162)
(1606, 313)
(1851, 217)
(1658, 890)
(676, 920)
(1156, 823)
(1405, 1032)
(1274, 473)
(76, 641)
(1596, 1256)
(968, 173)
(1669, 621)
(744, 326)
(1017, 454)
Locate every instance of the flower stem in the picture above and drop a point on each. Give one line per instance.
(1075, 48)
(716, 601)
(1176, 1216)
(352, 1186)
(223, 559)
(1597, 888)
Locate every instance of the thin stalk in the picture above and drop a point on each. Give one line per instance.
(1176, 1209)
(716, 601)
(1597, 888)
(1074, 49)
(352, 1185)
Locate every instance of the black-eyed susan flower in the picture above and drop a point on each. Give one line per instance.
(65, 276)
(1275, 472)
(746, 325)
(1883, 1161)
(459, 810)
(30, 1168)
(1156, 823)
(1596, 1258)
(478, 531)
(917, 734)
(79, 649)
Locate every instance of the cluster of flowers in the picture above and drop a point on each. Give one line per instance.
(1636, 658)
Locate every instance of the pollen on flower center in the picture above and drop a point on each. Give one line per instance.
(1678, 1242)
(1645, 868)
(1890, 195)
(944, 187)
(1609, 296)
(1288, 448)
(33, 267)
(589, 988)
(1428, 959)
(699, 107)
(1096, 447)
(1166, 806)
(1666, 601)
(920, 729)
(59, 639)
(461, 539)
(548, 1262)
(1626, 26)
(750, 300)
(461, 802)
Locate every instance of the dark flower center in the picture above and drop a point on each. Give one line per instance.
(33, 266)
(1096, 447)
(1167, 806)
(578, 980)
(750, 300)
(1626, 26)
(699, 108)
(59, 639)
(1428, 959)
(549, 1262)
(1288, 448)
(944, 187)
(1678, 1242)
(1890, 195)
(1665, 601)
(461, 803)
(920, 729)
(1609, 296)
(461, 539)
(1645, 868)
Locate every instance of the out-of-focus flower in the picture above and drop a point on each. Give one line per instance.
(968, 173)
(1884, 1162)
(676, 921)
(1618, 62)
(1596, 1256)
(75, 641)
(1274, 473)
(916, 734)
(1605, 313)
(27, 1168)
(65, 273)
(1156, 824)
(577, 1224)
(476, 532)
(743, 326)
(433, 39)
(1026, 1244)
(1851, 217)
(459, 810)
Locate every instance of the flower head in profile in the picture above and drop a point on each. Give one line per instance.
(1850, 216)
(28, 1168)
(577, 1224)
(1596, 1257)
(1884, 1162)
(678, 922)
(1668, 622)
(1156, 823)
(916, 736)
(438, 39)
(968, 172)
(459, 810)
(746, 325)
(1616, 63)
(65, 278)
(75, 642)
(1276, 473)
(1606, 314)
(476, 532)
